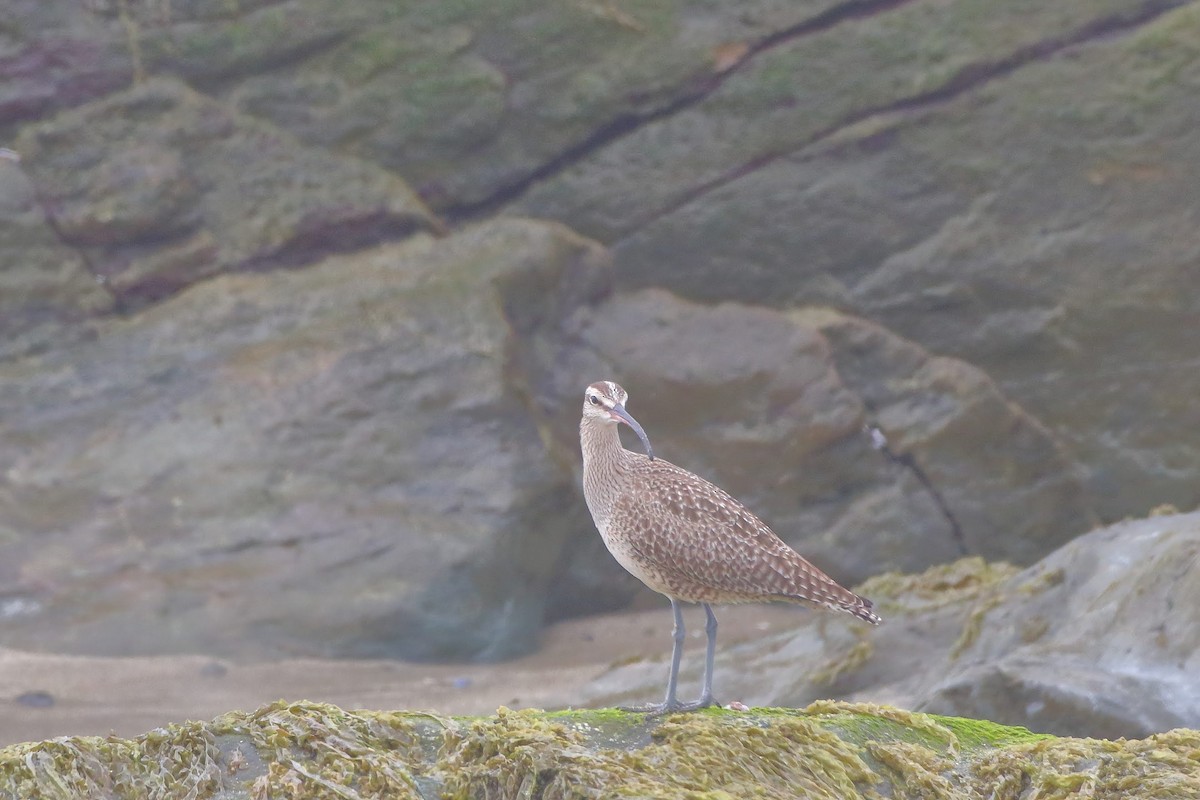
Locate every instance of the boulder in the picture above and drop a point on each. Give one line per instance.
(328, 461)
(1097, 637)
(1090, 641)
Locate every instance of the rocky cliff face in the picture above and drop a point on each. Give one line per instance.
(287, 367)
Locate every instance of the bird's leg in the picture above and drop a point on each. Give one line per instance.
(678, 634)
(671, 703)
(710, 628)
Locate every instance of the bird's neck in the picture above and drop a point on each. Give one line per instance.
(601, 445)
(604, 462)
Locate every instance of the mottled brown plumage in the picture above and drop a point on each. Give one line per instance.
(686, 538)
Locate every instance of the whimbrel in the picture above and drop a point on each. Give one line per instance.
(687, 539)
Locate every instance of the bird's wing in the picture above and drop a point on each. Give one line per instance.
(690, 527)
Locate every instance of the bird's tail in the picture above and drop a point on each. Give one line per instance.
(861, 608)
(836, 598)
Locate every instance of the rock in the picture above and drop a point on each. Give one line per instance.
(1087, 642)
(469, 102)
(159, 187)
(43, 282)
(672, 179)
(1080, 300)
(329, 461)
(1093, 638)
(728, 389)
(58, 56)
(473, 102)
(975, 181)
(771, 407)
(1002, 231)
(1003, 483)
(830, 750)
(35, 699)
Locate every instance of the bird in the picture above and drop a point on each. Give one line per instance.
(687, 539)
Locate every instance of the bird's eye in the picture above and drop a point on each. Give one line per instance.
(594, 400)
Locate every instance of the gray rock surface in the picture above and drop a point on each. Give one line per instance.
(323, 461)
(160, 187)
(467, 100)
(771, 407)
(1013, 185)
(1101, 636)
(1096, 639)
(42, 280)
(236, 370)
(386, 440)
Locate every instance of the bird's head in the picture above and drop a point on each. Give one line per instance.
(604, 403)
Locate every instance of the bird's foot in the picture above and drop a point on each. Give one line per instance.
(659, 709)
(650, 710)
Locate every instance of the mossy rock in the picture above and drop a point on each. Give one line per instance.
(828, 750)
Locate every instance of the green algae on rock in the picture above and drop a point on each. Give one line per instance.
(178, 761)
(942, 584)
(317, 750)
(828, 750)
(525, 754)
(309, 750)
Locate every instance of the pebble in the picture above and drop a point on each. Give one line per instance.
(36, 699)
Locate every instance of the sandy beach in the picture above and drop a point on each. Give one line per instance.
(45, 695)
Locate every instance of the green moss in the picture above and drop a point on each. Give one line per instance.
(514, 754)
(919, 753)
(789, 757)
(1162, 765)
(970, 582)
(865, 723)
(528, 753)
(711, 754)
(973, 734)
(324, 751)
(828, 750)
(314, 749)
(961, 581)
(592, 714)
(915, 770)
(177, 761)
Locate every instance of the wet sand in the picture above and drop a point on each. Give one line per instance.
(83, 695)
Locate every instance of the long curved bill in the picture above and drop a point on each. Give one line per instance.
(628, 419)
